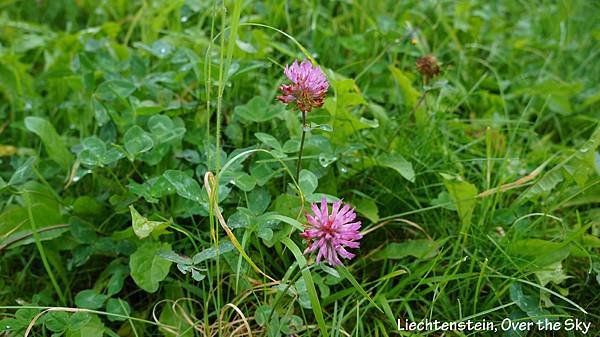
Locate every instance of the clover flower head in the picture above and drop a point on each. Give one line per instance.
(308, 86)
(331, 234)
(428, 66)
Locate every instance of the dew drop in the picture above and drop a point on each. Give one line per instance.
(163, 50)
(184, 19)
(28, 105)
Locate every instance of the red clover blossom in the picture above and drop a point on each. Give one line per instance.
(332, 233)
(308, 88)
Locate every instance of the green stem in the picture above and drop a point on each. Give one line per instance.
(40, 247)
(299, 165)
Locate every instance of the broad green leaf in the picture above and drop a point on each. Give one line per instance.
(212, 252)
(23, 172)
(137, 141)
(56, 321)
(26, 237)
(551, 273)
(258, 110)
(163, 128)
(147, 268)
(409, 93)
(259, 200)
(421, 249)
(344, 120)
(93, 328)
(78, 320)
(537, 253)
(118, 307)
(308, 182)
(82, 231)
(89, 299)
(399, 164)
(242, 180)
(529, 304)
(113, 89)
(269, 140)
(142, 227)
(147, 107)
(53, 143)
(95, 152)
(262, 314)
(544, 185)
(185, 185)
(174, 257)
(118, 273)
(172, 318)
(368, 208)
(462, 195)
(160, 48)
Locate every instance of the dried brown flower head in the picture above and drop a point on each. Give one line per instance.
(428, 66)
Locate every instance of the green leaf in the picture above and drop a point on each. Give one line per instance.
(528, 304)
(56, 321)
(137, 141)
(142, 227)
(462, 195)
(163, 128)
(147, 268)
(399, 164)
(93, 328)
(113, 89)
(537, 253)
(368, 208)
(147, 107)
(242, 180)
(119, 307)
(159, 48)
(53, 143)
(409, 93)
(89, 299)
(78, 320)
(551, 273)
(212, 252)
(174, 257)
(258, 110)
(544, 185)
(421, 249)
(269, 140)
(310, 285)
(308, 182)
(346, 273)
(262, 313)
(81, 231)
(185, 185)
(95, 152)
(26, 237)
(293, 222)
(259, 200)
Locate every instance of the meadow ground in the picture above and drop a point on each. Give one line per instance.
(149, 177)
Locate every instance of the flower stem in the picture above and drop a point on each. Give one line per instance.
(299, 166)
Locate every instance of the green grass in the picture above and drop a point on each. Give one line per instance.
(478, 190)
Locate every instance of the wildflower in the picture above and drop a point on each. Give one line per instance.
(308, 88)
(332, 233)
(428, 66)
